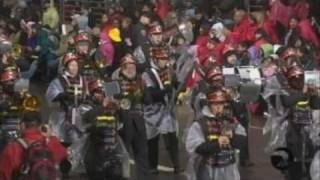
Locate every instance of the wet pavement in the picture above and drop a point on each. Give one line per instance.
(261, 170)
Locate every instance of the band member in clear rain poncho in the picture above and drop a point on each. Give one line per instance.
(159, 89)
(209, 142)
(213, 79)
(301, 100)
(66, 96)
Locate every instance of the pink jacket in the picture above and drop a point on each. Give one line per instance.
(106, 47)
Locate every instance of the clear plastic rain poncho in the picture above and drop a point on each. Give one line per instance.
(315, 137)
(195, 169)
(63, 128)
(315, 167)
(276, 123)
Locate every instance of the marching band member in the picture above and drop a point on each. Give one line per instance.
(300, 102)
(131, 113)
(9, 106)
(66, 96)
(104, 157)
(209, 142)
(159, 87)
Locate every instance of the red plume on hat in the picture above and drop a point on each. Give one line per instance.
(70, 56)
(81, 37)
(95, 85)
(155, 29)
(217, 96)
(9, 74)
(288, 53)
(295, 71)
(128, 59)
(213, 72)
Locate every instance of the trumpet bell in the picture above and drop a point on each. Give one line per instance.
(125, 104)
(16, 51)
(31, 103)
(101, 63)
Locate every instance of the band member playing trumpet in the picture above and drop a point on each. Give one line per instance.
(104, 156)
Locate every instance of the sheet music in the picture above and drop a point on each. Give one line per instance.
(250, 73)
(228, 71)
(312, 78)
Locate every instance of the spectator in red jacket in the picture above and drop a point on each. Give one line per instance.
(308, 33)
(303, 29)
(163, 8)
(302, 9)
(264, 22)
(269, 27)
(245, 27)
(261, 38)
(280, 12)
(11, 158)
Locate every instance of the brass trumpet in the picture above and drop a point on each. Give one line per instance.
(100, 63)
(30, 103)
(16, 52)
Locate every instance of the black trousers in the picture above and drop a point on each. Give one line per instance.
(102, 165)
(295, 141)
(242, 142)
(295, 171)
(172, 145)
(135, 139)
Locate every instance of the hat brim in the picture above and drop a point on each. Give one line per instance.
(125, 63)
(217, 102)
(156, 33)
(83, 42)
(116, 39)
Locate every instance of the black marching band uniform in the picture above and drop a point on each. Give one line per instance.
(133, 131)
(9, 106)
(104, 156)
(92, 65)
(15, 99)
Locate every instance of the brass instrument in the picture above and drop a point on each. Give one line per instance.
(16, 52)
(100, 63)
(30, 103)
(129, 88)
(125, 104)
